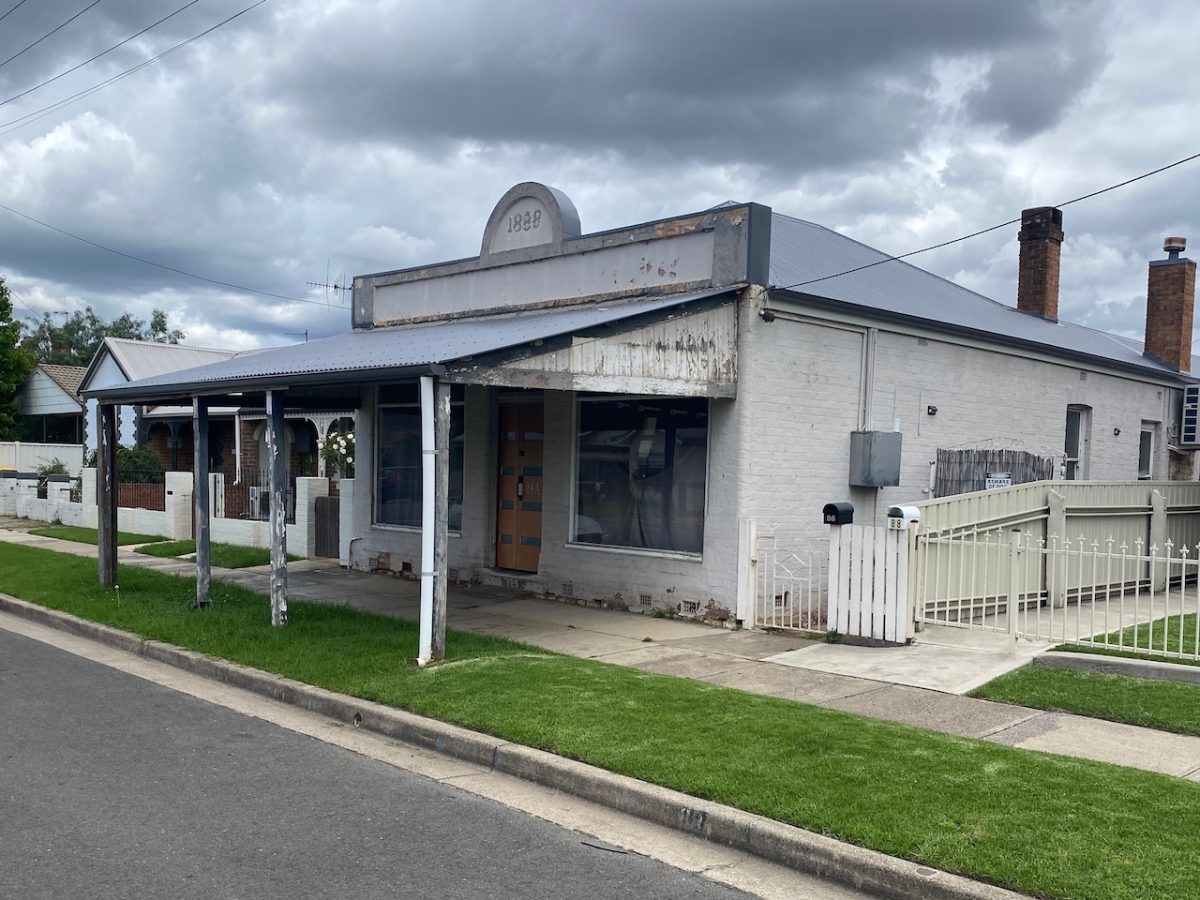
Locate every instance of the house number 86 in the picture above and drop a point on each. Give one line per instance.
(527, 221)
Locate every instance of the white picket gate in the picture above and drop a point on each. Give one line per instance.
(869, 582)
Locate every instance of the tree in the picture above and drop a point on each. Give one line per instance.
(15, 364)
(76, 340)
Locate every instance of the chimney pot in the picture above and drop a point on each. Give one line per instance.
(1041, 237)
(1174, 246)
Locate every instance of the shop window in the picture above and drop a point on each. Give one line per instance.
(641, 466)
(398, 458)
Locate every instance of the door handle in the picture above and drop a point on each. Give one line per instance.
(520, 487)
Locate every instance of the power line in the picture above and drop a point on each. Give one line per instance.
(87, 92)
(973, 234)
(98, 55)
(21, 300)
(149, 262)
(12, 10)
(49, 33)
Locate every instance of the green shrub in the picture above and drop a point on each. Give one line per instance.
(134, 465)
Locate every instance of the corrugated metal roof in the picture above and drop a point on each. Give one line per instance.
(145, 359)
(66, 377)
(348, 357)
(801, 251)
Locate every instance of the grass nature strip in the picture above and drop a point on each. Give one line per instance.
(1165, 705)
(83, 535)
(1171, 639)
(1042, 824)
(225, 556)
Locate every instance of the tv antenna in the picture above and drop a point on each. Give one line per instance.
(339, 286)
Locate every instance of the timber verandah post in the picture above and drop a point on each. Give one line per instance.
(435, 487)
(277, 513)
(202, 502)
(106, 485)
(441, 478)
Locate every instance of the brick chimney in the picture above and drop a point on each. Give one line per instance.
(1041, 237)
(1170, 302)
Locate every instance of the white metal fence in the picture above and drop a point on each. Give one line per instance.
(1113, 593)
(788, 579)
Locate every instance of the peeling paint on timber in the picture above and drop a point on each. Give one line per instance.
(698, 348)
(684, 287)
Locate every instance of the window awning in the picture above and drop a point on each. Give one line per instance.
(381, 354)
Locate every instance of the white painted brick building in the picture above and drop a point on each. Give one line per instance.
(613, 404)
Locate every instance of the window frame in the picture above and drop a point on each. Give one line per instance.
(380, 406)
(1076, 468)
(1149, 429)
(573, 498)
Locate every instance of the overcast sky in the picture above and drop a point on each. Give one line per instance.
(309, 139)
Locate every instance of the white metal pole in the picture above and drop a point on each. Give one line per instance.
(425, 650)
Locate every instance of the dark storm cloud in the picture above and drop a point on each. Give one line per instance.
(96, 30)
(1028, 86)
(317, 136)
(785, 84)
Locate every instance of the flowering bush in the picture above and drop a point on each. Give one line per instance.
(338, 451)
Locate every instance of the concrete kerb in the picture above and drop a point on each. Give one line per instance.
(805, 851)
(1119, 665)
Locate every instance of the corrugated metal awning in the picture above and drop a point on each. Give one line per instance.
(385, 353)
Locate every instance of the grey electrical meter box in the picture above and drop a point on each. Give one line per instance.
(840, 513)
(874, 458)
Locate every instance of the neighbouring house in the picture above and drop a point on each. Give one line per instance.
(50, 407)
(50, 424)
(237, 440)
(118, 361)
(600, 410)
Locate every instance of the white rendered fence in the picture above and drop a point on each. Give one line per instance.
(27, 457)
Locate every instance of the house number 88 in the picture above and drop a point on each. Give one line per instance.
(527, 221)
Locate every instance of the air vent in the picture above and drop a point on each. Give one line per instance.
(1189, 430)
(645, 599)
(689, 607)
(568, 589)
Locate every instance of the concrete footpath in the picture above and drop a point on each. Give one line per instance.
(891, 684)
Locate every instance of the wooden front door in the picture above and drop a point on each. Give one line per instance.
(519, 487)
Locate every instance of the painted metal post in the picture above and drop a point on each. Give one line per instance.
(747, 586)
(1158, 538)
(428, 508)
(277, 515)
(1014, 580)
(201, 502)
(441, 509)
(1056, 543)
(106, 501)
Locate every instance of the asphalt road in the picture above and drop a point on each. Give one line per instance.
(115, 787)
